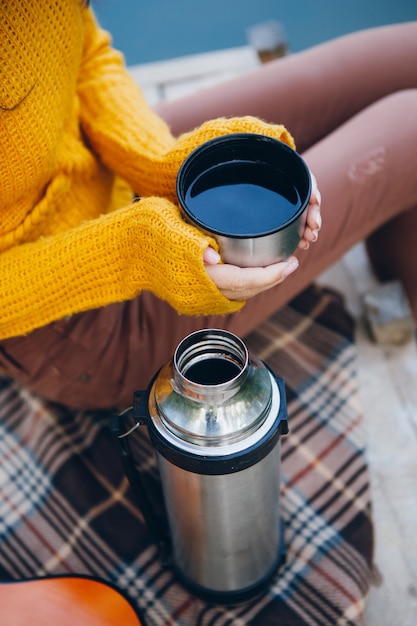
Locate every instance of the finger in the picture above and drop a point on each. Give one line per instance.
(210, 256)
(315, 194)
(314, 187)
(314, 220)
(303, 244)
(310, 234)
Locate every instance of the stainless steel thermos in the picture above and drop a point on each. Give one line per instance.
(215, 415)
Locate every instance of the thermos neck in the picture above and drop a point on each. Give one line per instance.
(210, 366)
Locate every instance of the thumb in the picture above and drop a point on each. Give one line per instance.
(210, 256)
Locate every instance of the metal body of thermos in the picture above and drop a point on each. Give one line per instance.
(215, 415)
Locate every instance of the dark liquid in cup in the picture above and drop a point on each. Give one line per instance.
(212, 371)
(242, 198)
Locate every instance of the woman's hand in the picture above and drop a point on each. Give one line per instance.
(313, 221)
(242, 283)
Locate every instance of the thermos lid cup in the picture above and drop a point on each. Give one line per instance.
(250, 192)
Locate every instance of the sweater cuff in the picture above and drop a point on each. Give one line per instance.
(170, 256)
(162, 174)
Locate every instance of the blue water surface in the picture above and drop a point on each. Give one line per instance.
(153, 30)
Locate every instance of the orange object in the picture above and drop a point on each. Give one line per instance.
(66, 601)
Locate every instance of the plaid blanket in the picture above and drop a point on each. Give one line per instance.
(66, 505)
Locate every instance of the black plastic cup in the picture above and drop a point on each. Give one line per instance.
(248, 191)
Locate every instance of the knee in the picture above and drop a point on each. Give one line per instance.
(401, 106)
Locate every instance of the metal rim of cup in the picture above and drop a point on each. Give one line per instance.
(212, 145)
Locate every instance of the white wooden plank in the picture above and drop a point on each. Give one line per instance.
(152, 93)
(189, 67)
(387, 382)
(394, 601)
(183, 88)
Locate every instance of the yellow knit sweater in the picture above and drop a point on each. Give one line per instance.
(73, 124)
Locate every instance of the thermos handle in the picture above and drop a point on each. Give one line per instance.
(156, 527)
(283, 428)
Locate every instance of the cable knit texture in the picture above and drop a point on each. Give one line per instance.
(76, 136)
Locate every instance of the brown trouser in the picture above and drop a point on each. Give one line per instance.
(351, 105)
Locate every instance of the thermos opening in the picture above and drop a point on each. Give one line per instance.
(209, 358)
(212, 370)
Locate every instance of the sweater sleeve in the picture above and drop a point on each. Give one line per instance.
(145, 246)
(119, 123)
(131, 139)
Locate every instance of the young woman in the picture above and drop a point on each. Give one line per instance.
(97, 290)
